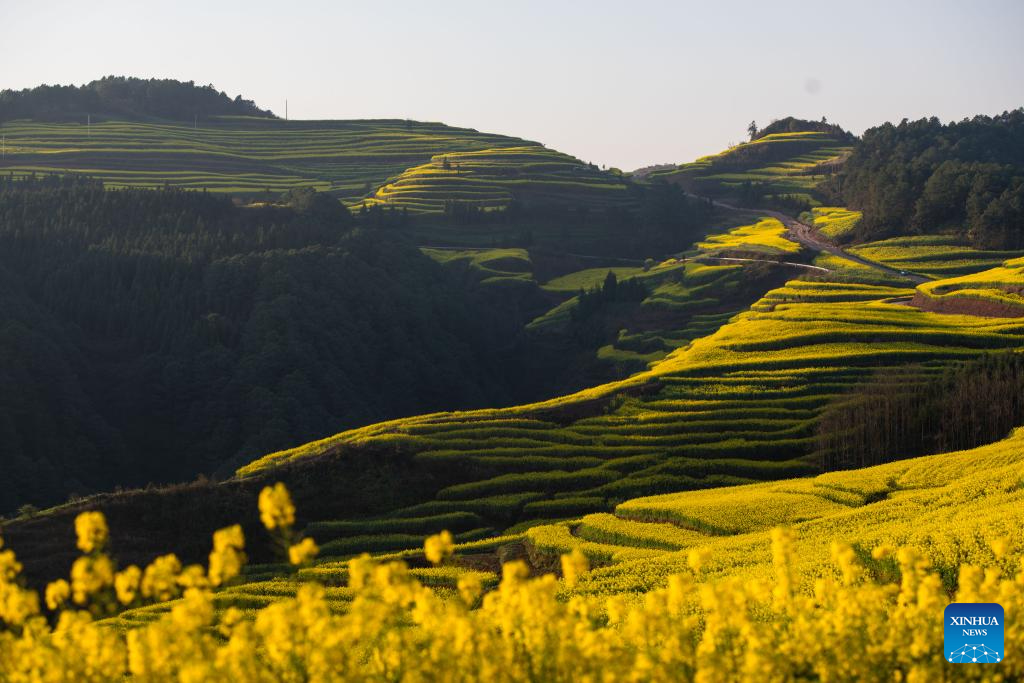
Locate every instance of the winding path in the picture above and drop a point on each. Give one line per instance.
(811, 238)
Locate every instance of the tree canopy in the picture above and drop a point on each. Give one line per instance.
(923, 176)
(150, 335)
(124, 97)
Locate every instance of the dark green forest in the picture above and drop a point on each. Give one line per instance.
(659, 219)
(152, 335)
(124, 97)
(975, 403)
(923, 177)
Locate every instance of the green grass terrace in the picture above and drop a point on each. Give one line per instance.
(240, 155)
(492, 178)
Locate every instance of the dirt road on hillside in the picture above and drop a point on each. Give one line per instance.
(811, 238)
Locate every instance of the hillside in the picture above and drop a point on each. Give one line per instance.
(918, 503)
(732, 407)
(691, 585)
(782, 166)
(719, 395)
(165, 321)
(443, 392)
(152, 336)
(494, 178)
(155, 133)
(237, 155)
(737, 374)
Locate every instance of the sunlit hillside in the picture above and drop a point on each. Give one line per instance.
(679, 587)
(738, 405)
(777, 166)
(997, 291)
(952, 509)
(936, 256)
(493, 178)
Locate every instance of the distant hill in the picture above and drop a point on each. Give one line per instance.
(439, 184)
(123, 97)
(398, 164)
(239, 156)
(783, 166)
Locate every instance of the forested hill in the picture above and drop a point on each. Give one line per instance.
(923, 177)
(124, 97)
(151, 335)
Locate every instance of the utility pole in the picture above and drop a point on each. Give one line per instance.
(88, 124)
(286, 110)
(3, 146)
(195, 124)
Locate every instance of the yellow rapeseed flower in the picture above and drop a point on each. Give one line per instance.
(697, 558)
(126, 584)
(57, 593)
(160, 580)
(303, 552)
(9, 566)
(470, 587)
(90, 575)
(91, 528)
(574, 565)
(439, 547)
(276, 508)
(392, 627)
(227, 558)
(17, 606)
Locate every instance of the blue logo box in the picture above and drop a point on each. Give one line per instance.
(973, 633)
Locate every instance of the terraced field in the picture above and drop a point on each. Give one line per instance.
(953, 508)
(833, 222)
(763, 237)
(492, 178)
(494, 266)
(690, 295)
(789, 164)
(937, 256)
(700, 297)
(997, 291)
(589, 278)
(241, 155)
(730, 409)
(717, 436)
(734, 407)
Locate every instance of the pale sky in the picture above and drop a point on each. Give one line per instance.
(624, 83)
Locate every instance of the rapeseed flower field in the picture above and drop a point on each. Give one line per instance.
(854, 623)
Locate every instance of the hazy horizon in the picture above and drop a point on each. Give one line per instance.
(621, 86)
